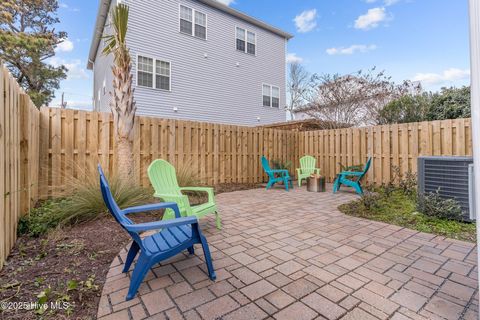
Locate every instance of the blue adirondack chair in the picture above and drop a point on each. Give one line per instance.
(275, 176)
(175, 236)
(342, 178)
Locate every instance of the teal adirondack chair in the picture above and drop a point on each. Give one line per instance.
(282, 175)
(164, 180)
(342, 178)
(307, 167)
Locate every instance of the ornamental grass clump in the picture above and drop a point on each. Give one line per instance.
(81, 201)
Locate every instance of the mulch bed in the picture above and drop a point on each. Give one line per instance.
(68, 266)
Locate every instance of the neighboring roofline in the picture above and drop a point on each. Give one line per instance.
(102, 14)
(104, 6)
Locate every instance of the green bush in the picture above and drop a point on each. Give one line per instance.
(369, 200)
(278, 164)
(82, 203)
(433, 205)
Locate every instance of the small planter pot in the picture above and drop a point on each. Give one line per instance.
(316, 184)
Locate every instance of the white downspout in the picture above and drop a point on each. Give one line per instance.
(474, 9)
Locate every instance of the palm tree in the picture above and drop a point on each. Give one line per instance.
(122, 105)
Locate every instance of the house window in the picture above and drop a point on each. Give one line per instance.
(162, 75)
(275, 97)
(267, 98)
(271, 96)
(200, 25)
(241, 39)
(246, 41)
(145, 72)
(251, 42)
(193, 22)
(158, 77)
(186, 20)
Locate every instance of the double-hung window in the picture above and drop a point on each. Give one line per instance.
(200, 25)
(271, 96)
(246, 41)
(193, 22)
(145, 72)
(153, 73)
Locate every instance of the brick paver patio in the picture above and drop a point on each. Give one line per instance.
(293, 255)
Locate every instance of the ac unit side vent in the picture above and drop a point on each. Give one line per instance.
(449, 175)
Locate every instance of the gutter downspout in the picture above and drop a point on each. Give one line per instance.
(474, 12)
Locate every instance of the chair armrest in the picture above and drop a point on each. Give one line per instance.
(299, 170)
(317, 170)
(283, 171)
(351, 173)
(140, 227)
(153, 207)
(208, 190)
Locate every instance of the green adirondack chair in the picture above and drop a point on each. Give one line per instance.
(307, 167)
(164, 180)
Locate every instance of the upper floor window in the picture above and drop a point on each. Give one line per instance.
(153, 73)
(246, 41)
(271, 96)
(193, 22)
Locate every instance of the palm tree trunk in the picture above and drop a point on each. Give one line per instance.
(124, 157)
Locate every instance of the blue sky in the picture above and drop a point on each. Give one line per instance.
(423, 40)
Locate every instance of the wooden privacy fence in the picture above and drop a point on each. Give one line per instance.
(71, 140)
(19, 141)
(390, 146)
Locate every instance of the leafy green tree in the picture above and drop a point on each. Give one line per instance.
(27, 39)
(450, 103)
(409, 108)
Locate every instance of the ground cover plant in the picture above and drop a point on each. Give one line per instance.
(398, 203)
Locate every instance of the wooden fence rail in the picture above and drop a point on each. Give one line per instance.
(41, 151)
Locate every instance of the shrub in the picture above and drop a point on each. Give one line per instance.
(369, 200)
(81, 203)
(432, 204)
(407, 182)
(278, 164)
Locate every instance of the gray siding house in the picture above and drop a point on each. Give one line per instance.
(197, 60)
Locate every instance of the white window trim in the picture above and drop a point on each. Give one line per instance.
(154, 73)
(246, 40)
(193, 22)
(271, 86)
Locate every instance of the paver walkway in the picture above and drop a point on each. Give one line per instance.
(293, 255)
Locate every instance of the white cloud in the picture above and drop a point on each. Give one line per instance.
(306, 21)
(65, 46)
(448, 76)
(63, 5)
(390, 2)
(226, 2)
(362, 48)
(293, 58)
(371, 19)
(75, 70)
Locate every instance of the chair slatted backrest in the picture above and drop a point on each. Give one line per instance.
(113, 207)
(163, 177)
(266, 167)
(365, 168)
(307, 162)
